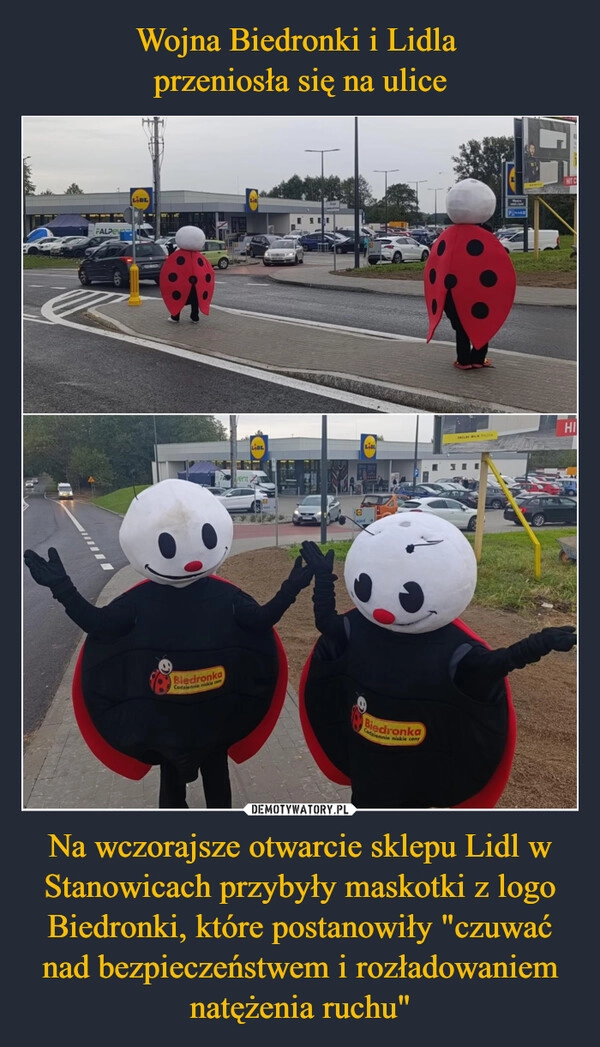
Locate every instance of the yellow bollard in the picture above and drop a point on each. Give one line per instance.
(134, 286)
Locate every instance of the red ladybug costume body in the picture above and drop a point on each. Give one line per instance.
(183, 275)
(469, 263)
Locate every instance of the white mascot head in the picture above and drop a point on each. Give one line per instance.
(190, 238)
(411, 572)
(470, 201)
(176, 532)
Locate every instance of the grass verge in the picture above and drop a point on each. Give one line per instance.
(506, 572)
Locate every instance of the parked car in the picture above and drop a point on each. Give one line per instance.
(468, 498)
(57, 246)
(539, 509)
(540, 487)
(418, 491)
(111, 261)
(215, 251)
(308, 511)
(568, 487)
(397, 249)
(50, 245)
(77, 248)
(549, 240)
(34, 246)
(244, 499)
(313, 241)
(448, 508)
(258, 244)
(284, 252)
(345, 246)
(375, 506)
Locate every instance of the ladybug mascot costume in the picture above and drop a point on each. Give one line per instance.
(184, 669)
(187, 277)
(399, 698)
(469, 276)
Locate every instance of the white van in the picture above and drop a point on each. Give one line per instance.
(248, 478)
(548, 240)
(64, 490)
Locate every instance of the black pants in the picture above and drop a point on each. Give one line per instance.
(193, 304)
(214, 771)
(465, 353)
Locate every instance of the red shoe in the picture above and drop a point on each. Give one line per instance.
(463, 367)
(486, 363)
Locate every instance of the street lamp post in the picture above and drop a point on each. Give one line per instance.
(322, 152)
(417, 184)
(385, 198)
(438, 189)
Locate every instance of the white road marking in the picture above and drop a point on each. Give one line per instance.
(106, 566)
(367, 402)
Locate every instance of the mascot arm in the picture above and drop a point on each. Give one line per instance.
(327, 620)
(255, 618)
(481, 668)
(51, 574)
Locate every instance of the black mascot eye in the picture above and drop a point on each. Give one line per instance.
(413, 599)
(209, 536)
(363, 587)
(167, 545)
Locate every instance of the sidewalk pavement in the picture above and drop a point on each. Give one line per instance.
(60, 772)
(395, 369)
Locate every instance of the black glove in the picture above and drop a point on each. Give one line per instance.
(48, 572)
(562, 638)
(300, 576)
(321, 563)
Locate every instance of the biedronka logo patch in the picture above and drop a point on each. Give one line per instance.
(165, 680)
(385, 732)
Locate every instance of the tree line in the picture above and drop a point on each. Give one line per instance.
(116, 450)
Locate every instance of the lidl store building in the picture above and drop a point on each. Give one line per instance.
(221, 216)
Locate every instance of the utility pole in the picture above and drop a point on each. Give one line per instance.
(156, 146)
(233, 448)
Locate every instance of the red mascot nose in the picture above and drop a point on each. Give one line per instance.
(382, 616)
(193, 565)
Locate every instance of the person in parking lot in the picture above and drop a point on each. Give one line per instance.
(399, 698)
(187, 277)
(183, 670)
(469, 276)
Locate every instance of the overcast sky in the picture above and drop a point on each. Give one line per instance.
(230, 154)
(341, 426)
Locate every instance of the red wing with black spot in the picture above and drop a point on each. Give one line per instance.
(471, 263)
(182, 271)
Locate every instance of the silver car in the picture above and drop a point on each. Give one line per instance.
(309, 510)
(284, 252)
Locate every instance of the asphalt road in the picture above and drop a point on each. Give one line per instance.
(539, 330)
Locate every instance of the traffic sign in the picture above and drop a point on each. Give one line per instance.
(463, 438)
(515, 207)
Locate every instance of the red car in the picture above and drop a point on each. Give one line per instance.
(540, 486)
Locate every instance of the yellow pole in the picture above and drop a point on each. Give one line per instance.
(134, 285)
(537, 549)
